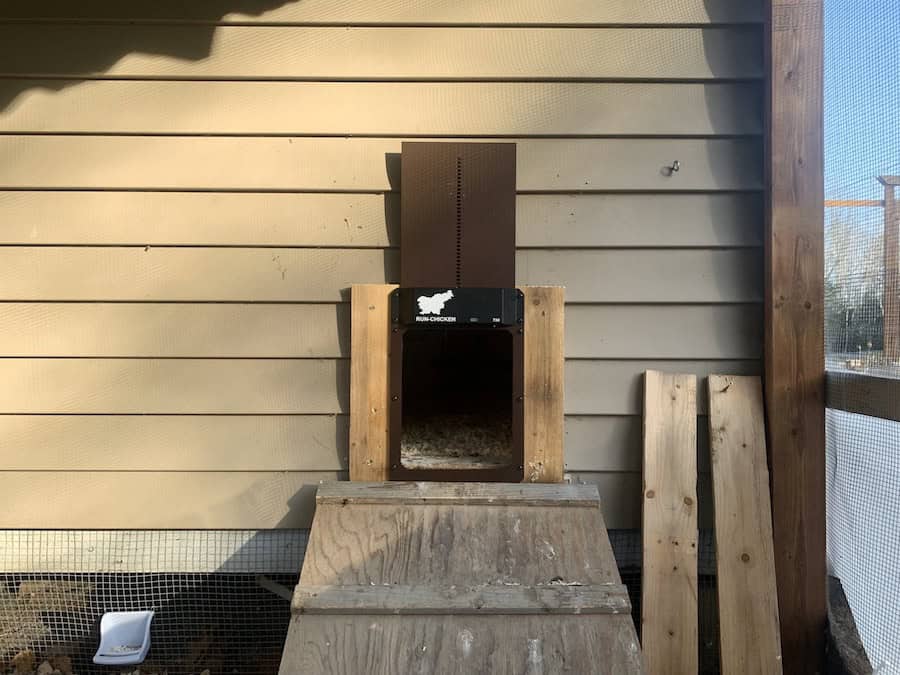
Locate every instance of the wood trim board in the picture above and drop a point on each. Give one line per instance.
(369, 381)
(544, 384)
(863, 394)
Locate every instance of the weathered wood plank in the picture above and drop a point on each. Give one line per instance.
(184, 51)
(863, 394)
(469, 494)
(794, 325)
(629, 12)
(369, 380)
(544, 387)
(367, 220)
(323, 275)
(669, 582)
(469, 600)
(362, 164)
(276, 386)
(380, 108)
(748, 603)
(446, 645)
(205, 330)
(138, 500)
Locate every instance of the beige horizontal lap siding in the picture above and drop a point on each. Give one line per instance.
(303, 330)
(215, 500)
(354, 53)
(610, 443)
(381, 108)
(278, 386)
(183, 206)
(160, 499)
(393, 12)
(324, 275)
(706, 220)
(364, 164)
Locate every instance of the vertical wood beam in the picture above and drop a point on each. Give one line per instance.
(891, 298)
(794, 331)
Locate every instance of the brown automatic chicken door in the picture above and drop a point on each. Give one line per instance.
(454, 396)
(457, 319)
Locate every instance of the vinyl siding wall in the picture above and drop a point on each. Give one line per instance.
(187, 190)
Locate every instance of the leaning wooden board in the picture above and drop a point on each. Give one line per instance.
(748, 604)
(459, 578)
(669, 602)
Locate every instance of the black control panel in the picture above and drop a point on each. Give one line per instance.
(443, 307)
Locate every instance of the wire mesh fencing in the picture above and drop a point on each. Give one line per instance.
(862, 314)
(212, 592)
(218, 596)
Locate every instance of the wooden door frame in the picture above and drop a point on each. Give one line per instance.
(794, 324)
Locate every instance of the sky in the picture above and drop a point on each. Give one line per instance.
(862, 96)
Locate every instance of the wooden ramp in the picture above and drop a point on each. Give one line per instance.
(459, 578)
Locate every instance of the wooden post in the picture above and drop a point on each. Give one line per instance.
(794, 330)
(891, 269)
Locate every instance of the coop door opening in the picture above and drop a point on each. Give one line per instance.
(457, 399)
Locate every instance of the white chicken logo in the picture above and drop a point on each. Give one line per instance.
(433, 304)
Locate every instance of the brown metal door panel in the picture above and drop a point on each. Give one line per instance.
(458, 214)
(488, 241)
(428, 193)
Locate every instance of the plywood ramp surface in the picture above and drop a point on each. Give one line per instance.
(453, 578)
(748, 604)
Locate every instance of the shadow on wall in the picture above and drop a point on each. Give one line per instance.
(88, 54)
(715, 43)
